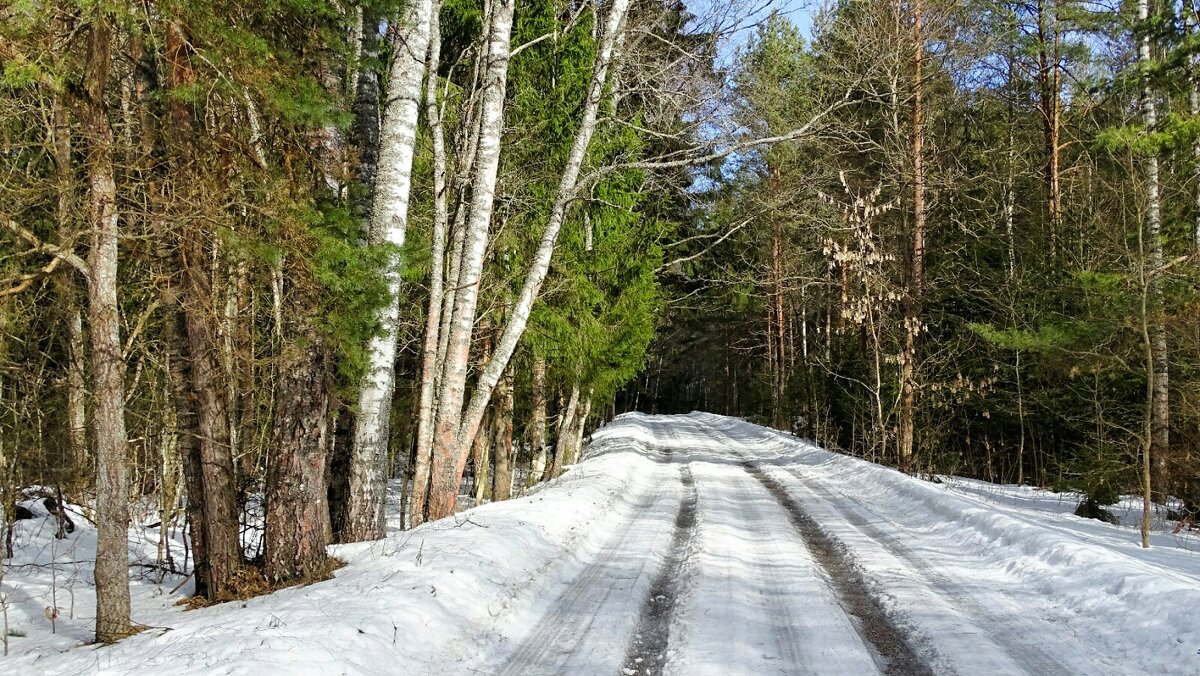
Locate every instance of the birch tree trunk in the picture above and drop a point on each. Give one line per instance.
(454, 426)
(429, 354)
(389, 220)
(450, 447)
(1160, 419)
(584, 413)
(108, 373)
(562, 443)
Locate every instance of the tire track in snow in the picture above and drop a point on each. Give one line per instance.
(648, 648)
(753, 602)
(1021, 643)
(565, 628)
(847, 582)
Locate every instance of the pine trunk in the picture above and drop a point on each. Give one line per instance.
(1049, 85)
(297, 514)
(502, 438)
(1194, 108)
(916, 291)
(222, 542)
(188, 444)
(779, 374)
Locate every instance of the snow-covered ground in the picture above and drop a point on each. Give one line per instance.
(692, 544)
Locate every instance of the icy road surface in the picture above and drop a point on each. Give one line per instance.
(705, 545)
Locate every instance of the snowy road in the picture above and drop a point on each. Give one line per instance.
(774, 571)
(705, 545)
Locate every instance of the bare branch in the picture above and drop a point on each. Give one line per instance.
(67, 256)
(710, 247)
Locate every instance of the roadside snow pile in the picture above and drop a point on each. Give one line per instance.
(1142, 604)
(420, 601)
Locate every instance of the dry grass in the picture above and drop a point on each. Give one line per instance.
(250, 582)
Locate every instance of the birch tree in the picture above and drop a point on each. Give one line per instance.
(389, 221)
(456, 427)
(1159, 404)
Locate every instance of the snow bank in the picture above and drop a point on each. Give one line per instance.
(427, 600)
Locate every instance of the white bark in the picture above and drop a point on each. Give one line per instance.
(389, 220)
(429, 361)
(580, 426)
(1159, 401)
(558, 213)
(450, 455)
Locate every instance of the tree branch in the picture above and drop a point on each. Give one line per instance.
(69, 257)
(685, 259)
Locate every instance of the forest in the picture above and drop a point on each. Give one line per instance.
(271, 270)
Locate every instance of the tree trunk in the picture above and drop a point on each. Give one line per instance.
(188, 443)
(566, 428)
(1193, 19)
(502, 439)
(537, 421)
(780, 371)
(108, 388)
(454, 426)
(451, 444)
(364, 135)
(222, 542)
(580, 426)
(429, 362)
(1160, 419)
(365, 132)
(916, 292)
(76, 388)
(481, 449)
(389, 220)
(1049, 86)
(297, 513)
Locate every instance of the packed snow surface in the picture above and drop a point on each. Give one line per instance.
(691, 544)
